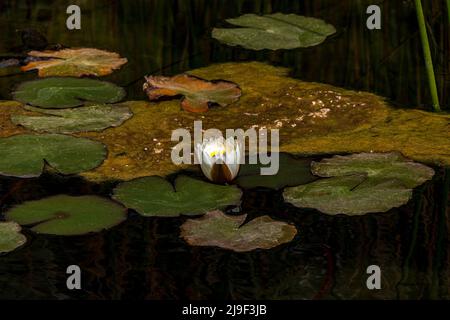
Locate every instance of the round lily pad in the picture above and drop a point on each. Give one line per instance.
(62, 92)
(291, 172)
(360, 183)
(25, 155)
(155, 196)
(67, 215)
(95, 117)
(225, 231)
(10, 237)
(274, 31)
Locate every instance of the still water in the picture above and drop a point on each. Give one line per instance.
(144, 258)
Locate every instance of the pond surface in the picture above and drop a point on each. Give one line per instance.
(144, 258)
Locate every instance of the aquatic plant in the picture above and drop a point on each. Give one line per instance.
(197, 93)
(360, 183)
(219, 158)
(448, 10)
(68, 215)
(10, 237)
(155, 196)
(274, 31)
(427, 55)
(25, 155)
(65, 92)
(94, 117)
(75, 62)
(225, 231)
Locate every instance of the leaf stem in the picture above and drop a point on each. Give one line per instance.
(427, 55)
(448, 10)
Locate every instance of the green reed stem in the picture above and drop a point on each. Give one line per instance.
(427, 55)
(448, 10)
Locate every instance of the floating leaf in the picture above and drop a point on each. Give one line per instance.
(67, 215)
(292, 172)
(225, 231)
(360, 183)
(198, 93)
(25, 155)
(60, 93)
(87, 118)
(391, 165)
(155, 196)
(10, 237)
(75, 62)
(274, 31)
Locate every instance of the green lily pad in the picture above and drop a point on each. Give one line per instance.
(25, 155)
(63, 92)
(225, 231)
(291, 172)
(67, 215)
(360, 183)
(155, 196)
(82, 119)
(10, 237)
(274, 31)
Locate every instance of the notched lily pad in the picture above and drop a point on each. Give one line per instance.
(155, 196)
(10, 237)
(57, 93)
(291, 172)
(360, 183)
(25, 155)
(225, 231)
(197, 93)
(274, 31)
(67, 215)
(75, 62)
(391, 165)
(95, 117)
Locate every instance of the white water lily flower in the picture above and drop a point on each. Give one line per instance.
(219, 158)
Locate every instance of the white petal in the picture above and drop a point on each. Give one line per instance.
(206, 166)
(198, 153)
(234, 169)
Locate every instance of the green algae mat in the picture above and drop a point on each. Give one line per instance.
(312, 118)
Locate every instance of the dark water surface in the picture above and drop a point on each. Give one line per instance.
(145, 258)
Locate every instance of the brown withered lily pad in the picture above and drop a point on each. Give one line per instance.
(197, 93)
(75, 62)
(225, 231)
